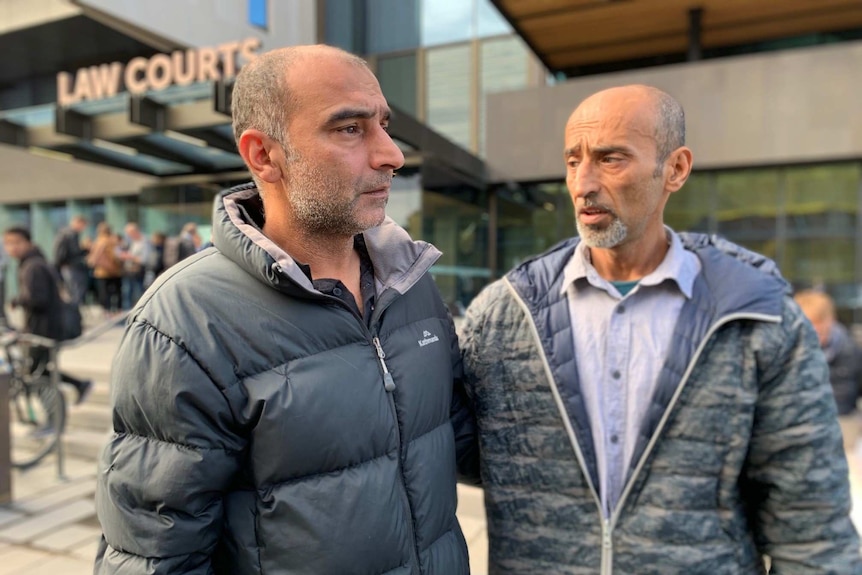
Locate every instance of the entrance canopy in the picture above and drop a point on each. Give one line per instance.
(186, 130)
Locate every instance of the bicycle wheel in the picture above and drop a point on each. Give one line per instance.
(37, 415)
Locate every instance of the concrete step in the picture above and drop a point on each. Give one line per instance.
(89, 416)
(85, 444)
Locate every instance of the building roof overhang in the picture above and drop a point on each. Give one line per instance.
(184, 131)
(571, 36)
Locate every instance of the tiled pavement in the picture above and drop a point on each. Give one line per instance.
(50, 527)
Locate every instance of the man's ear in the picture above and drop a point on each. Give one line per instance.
(259, 152)
(679, 164)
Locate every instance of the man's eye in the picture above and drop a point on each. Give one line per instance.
(349, 129)
(385, 127)
(572, 163)
(611, 159)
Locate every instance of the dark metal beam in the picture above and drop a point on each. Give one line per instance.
(147, 112)
(695, 32)
(72, 123)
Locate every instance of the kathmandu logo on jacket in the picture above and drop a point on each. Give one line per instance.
(427, 337)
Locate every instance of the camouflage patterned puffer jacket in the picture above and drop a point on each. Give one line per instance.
(740, 455)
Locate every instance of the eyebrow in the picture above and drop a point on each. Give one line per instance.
(601, 150)
(357, 114)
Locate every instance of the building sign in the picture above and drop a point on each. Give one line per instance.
(182, 68)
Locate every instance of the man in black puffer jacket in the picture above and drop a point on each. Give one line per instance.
(284, 400)
(39, 297)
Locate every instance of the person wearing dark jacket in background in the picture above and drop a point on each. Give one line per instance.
(842, 355)
(289, 401)
(70, 257)
(39, 297)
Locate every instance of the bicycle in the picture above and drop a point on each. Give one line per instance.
(37, 406)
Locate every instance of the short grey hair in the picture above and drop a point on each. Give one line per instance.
(670, 126)
(261, 98)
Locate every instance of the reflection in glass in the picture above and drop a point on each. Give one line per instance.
(747, 204)
(397, 77)
(460, 230)
(489, 21)
(690, 209)
(449, 84)
(446, 21)
(391, 25)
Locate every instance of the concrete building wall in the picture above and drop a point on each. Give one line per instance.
(18, 14)
(212, 22)
(774, 108)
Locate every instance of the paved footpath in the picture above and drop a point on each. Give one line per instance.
(50, 527)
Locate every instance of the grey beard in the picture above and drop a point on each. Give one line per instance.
(609, 237)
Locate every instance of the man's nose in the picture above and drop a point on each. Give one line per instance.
(582, 180)
(385, 153)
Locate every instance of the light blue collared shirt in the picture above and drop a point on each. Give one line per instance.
(620, 347)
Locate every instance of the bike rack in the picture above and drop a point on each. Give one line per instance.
(5, 440)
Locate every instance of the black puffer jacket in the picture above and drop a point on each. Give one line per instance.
(38, 295)
(256, 430)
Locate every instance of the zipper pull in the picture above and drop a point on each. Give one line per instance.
(388, 382)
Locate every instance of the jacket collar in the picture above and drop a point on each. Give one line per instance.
(399, 262)
(738, 280)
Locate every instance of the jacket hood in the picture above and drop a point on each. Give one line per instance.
(399, 262)
(739, 280)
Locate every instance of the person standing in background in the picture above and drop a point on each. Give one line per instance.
(842, 355)
(39, 297)
(107, 268)
(135, 257)
(70, 257)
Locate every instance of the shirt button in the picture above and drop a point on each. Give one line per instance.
(615, 374)
(336, 292)
(615, 438)
(621, 309)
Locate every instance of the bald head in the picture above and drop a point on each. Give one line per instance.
(665, 115)
(264, 94)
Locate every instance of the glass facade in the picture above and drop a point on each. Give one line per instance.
(450, 85)
(804, 217)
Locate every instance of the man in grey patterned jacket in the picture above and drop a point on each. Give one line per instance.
(647, 401)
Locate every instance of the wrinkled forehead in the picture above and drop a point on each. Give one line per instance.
(610, 119)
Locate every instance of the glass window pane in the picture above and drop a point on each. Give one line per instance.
(826, 262)
(688, 210)
(821, 201)
(504, 66)
(449, 87)
(489, 20)
(460, 230)
(391, 25)
(446, 21)
(747, 204)
(397, 77)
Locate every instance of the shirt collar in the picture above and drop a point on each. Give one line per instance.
(679, 266)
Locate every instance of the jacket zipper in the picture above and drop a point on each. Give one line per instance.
(388, 382)
(607, 548)
(679, 388)
(608, 525)
(389, 386)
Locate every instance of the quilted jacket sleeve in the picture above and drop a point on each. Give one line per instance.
(174, 452)
(796, 475)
